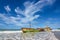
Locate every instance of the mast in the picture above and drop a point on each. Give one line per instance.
(30, 24)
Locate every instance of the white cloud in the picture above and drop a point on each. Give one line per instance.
(12, 20)
(7, 8)
(51, 1)
(28, 12)
(28, 4)
(31, 8)
(19, 11)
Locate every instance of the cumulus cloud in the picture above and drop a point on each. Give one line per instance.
(30, 9)
(7, 8)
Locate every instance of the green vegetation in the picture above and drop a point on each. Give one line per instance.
(32, 30)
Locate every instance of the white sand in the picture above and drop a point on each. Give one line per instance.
(10, 31)
(17, 35)
(56, 30)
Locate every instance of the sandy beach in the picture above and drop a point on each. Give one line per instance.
(57, 33)
(17, 35)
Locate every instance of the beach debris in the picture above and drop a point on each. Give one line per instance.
(46, 29)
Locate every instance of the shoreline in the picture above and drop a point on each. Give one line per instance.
(19, 31)
(10, 31)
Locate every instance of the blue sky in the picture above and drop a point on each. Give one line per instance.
(15, 14)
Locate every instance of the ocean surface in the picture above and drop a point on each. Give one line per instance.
(10, 29)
